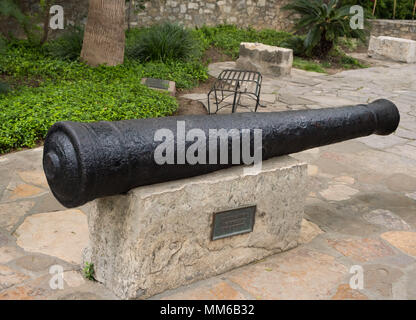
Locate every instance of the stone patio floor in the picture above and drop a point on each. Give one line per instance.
(361, 209)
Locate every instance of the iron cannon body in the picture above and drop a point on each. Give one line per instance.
(85, 161)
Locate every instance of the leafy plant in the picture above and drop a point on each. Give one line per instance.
(68, 46)
(325, 21)
(89, 271)
(164, 42)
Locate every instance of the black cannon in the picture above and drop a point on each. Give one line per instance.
(85, 161)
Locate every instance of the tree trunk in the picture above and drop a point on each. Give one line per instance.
(104, 37)
(46, 17)
(414, 11)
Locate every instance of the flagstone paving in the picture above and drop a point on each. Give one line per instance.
(360, 213)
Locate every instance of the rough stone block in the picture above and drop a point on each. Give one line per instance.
(397, 49)
(267, 60)
(158, 237)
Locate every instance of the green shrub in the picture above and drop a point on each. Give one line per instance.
(68, 46)
(163, 42)
(26, 116)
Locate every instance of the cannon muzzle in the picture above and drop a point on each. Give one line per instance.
(85, 161)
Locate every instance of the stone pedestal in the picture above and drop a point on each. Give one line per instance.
(267, 60)
(159, 237)
(397, 49)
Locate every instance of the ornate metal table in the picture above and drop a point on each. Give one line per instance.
(231, 85)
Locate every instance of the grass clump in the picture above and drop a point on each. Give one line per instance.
(308, 65)
(163, 42)
(88, 271)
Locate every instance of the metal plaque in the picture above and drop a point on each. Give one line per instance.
(233, 222)
(157, 83)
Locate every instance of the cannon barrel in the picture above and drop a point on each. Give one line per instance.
(85, 161)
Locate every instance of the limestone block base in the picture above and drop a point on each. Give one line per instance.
(397, 49)
(267, 60)
(158, 237)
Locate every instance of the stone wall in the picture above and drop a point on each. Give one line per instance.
(256, 13)
(394, 28)
(75, 12)
(244, 13)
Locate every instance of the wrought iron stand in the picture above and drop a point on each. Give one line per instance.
(235, 83)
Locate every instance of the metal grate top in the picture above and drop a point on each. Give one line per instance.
(235, 82)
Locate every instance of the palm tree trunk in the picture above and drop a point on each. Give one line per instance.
(104, 37)
(374, 8)
(394, 9)
(45, 21)
(414, 11)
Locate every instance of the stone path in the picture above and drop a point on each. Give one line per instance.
(360, 213)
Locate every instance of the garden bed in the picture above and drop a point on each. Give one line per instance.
(49, 87)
